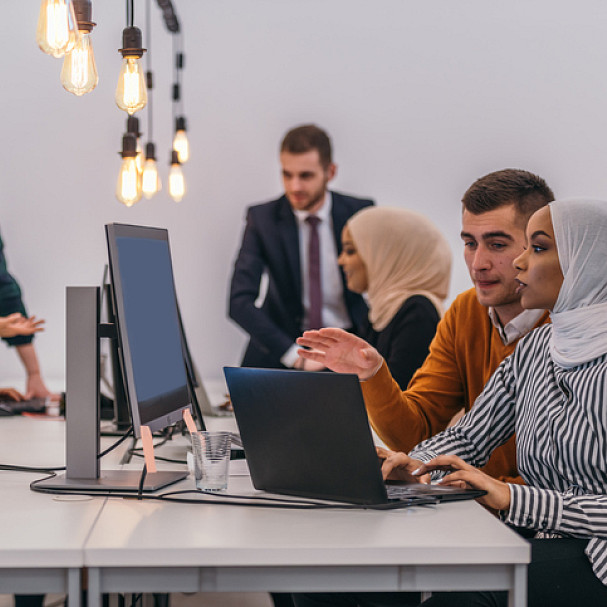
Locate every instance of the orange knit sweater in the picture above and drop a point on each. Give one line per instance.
(463, 355)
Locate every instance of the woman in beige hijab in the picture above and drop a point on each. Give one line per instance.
(403, 264)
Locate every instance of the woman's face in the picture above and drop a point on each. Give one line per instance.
(352, 264)
(539, 272)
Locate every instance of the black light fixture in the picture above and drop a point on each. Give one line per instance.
(150, 181)
(131, 93)
(132, 126)
(180, 141)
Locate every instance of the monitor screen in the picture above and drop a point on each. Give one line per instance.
(149, 330)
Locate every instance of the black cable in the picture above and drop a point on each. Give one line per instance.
(48, 469)
(142, 481)
(248, 501)
(118, 442)
(160, 458)
(16, 468)
(148, 33)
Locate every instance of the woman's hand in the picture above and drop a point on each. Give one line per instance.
(17, 324)
(398, 466)
(464, 475)
(341, 352)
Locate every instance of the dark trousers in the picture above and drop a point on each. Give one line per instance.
(281, 599)
(29, 600)
(358, 599)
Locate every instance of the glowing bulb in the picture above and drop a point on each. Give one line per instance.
(139, 157)
(57, 29)
(176, 180)
(131, 92)
(150, 181)
(128, 190)
(180, 141)
(128, 187)
(181, 146)
(79, 73)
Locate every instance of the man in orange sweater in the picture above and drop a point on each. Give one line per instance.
(478, 331)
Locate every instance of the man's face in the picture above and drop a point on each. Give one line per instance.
(492, 241)
(305, 179)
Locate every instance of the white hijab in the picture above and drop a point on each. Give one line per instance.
(579, 317)
(405, 254)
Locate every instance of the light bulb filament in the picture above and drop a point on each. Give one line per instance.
(57, 32)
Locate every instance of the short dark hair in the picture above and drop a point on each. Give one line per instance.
(308, 137)
(526, 191)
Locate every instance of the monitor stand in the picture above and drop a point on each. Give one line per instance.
(83, 331)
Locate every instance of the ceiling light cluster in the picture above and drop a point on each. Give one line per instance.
(64, 29)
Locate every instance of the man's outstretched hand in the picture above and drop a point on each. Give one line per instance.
(341, 352)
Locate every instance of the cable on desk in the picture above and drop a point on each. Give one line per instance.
(248, 501)
(163, 459)
(49, 469)
(142, 481)
(298, 503)
(17, 468)
(117, 443)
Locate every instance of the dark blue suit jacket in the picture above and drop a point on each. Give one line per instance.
(271, 243)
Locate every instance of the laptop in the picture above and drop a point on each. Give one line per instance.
(307, 434)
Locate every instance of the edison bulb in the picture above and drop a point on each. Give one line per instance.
(150, 182)
(139, 157)
(181, 146)
(57, 29)
(131, 92)
(128, 188)
(176, 183)
(79, 72)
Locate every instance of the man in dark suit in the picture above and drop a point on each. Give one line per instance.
(277, 241)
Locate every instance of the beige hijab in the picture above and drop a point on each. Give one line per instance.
(405, 255)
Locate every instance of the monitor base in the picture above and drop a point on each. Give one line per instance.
(114, 480)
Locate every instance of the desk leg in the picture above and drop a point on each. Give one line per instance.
(517, 597)
(74, 586)
(94, 594)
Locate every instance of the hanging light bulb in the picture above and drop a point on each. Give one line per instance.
(132, 126)
(180, 141)
(79, 72)
(128, 187)
(57, 30)
(151, 180)
(176, 180)
(131, 92)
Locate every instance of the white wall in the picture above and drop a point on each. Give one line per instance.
(420, 98)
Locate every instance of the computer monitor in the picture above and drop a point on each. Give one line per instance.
(148, 325)
(149, 339)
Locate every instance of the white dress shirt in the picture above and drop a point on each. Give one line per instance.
(334, 311)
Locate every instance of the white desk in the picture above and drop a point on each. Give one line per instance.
(162, 547)
(132, 546)
(41, 538)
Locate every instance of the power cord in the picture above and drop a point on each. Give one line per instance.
(52, 469)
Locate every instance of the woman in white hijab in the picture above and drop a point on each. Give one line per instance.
(403, 264)
(552, 392)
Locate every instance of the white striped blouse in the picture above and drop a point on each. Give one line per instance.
(560, 419)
